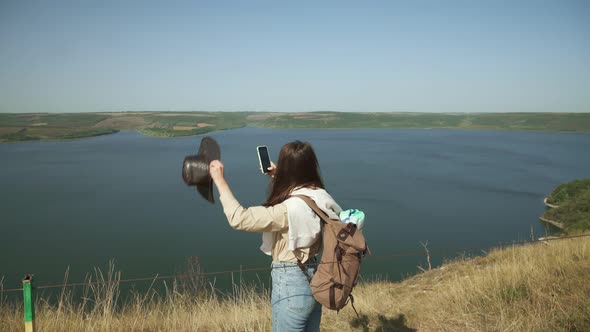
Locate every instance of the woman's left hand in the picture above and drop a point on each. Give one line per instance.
(272, 170)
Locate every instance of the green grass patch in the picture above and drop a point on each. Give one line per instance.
(87, 133)
(566, 191)
(167, 132)
(20, 136)
(573, 200)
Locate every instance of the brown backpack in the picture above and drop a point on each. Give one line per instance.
(338, 271)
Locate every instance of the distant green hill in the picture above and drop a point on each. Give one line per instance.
(54, 126)
(572, 206)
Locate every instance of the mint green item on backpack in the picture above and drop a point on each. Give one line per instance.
(353, 216)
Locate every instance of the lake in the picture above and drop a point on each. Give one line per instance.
(79, 203)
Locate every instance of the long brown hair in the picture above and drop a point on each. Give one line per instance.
(297, 167)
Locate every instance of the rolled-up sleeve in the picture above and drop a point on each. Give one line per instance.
(256, 219)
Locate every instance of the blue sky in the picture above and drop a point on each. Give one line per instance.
(414, 56)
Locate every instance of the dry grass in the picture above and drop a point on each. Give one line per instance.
(541, 287)
(124, 122)
(9, 130)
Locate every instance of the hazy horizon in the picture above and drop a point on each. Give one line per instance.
(418, 57)
(287, 112)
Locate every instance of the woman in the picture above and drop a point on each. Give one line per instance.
(291, 231)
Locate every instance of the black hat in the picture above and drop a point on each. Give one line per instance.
(195, 168)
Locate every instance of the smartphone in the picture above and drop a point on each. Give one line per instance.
(263, 158)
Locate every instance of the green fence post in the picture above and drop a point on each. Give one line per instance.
(28, 301)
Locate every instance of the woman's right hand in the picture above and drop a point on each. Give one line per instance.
(216, 171)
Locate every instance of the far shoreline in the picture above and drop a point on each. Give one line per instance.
(24, 127)
(302, 129)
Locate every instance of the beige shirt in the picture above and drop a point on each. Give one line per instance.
(259, 219)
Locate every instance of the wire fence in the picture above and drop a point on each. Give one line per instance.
(268, 268)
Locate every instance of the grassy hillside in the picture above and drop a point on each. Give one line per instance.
(537, 287)
(52, 126)
(567, 191)
(46, 126)
(27, 127)
(501, 121)
(573, 206)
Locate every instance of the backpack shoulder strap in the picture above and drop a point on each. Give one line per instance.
(323, 216)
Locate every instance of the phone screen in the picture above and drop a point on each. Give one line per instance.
(264, 158)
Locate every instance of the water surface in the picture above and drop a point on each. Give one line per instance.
(80, 203)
